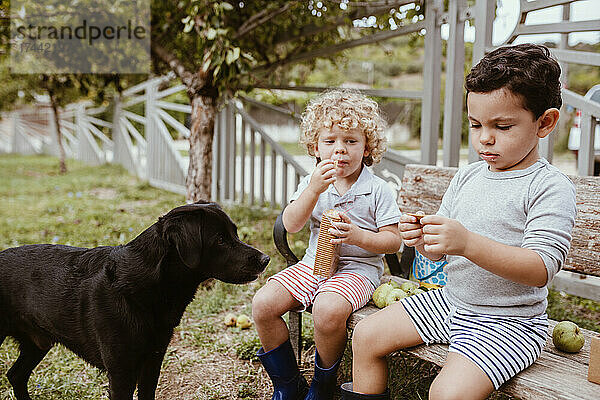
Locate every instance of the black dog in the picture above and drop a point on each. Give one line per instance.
(116, 307)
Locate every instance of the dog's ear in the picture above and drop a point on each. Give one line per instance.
(187, 244)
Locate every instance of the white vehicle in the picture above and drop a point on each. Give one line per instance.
(575, 132)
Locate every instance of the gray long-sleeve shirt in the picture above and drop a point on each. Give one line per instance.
(533, 208)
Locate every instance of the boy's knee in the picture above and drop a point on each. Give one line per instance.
(364, 336)
(438, 391)
(262, 304)
(329, 317)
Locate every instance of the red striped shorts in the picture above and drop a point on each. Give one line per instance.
(299, 280)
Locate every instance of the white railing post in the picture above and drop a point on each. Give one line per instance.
(150, 130)
(166, 167)
(453, 103)
(432, 70)
(116, 133)
(79, 111)
(485, 13)
(88, 151)
(123, 147)
(15, 121)
(214, 188)
(585, 155)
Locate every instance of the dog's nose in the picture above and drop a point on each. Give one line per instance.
(264, 260)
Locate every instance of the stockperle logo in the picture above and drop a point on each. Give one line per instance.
(80, 36)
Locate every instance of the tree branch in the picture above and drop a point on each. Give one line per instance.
(387, 3)
(328, 50)
(258, 19)
(313, 29)
(187, 77)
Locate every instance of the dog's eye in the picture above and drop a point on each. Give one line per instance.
(220, 240)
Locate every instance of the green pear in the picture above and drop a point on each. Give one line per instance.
(381, 293)
(408, 286)
(243, 322)
(394, 296)
(395, 284)
(416, 291)
(230, 319)
(567, 337)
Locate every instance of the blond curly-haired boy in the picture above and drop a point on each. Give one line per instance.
(343, 130)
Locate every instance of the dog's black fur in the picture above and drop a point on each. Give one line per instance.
(116, 307)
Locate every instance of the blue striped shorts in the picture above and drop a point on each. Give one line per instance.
(501, 346)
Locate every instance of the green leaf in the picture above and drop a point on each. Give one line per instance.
(211, 34)
(188, 27)
(248, 56)
(206, 65)
(226, 6)
(232, 55)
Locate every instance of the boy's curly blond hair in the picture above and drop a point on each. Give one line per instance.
(349, 110)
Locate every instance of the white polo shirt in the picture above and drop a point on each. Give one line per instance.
(370, 203)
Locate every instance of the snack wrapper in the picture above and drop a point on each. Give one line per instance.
(327, 255)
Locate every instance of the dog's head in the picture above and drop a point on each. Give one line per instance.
(206, 240)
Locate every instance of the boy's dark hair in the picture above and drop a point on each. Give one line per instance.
(527, 70)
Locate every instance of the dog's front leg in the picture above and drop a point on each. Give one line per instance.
(121, 385)
(148, 379)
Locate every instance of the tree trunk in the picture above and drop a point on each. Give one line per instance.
(199, 176)
(61, 148)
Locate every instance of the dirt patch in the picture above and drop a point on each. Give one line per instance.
(133, 206)
(191, 374)
(103, 193)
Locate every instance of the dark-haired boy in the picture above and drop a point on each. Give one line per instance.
(504, 225)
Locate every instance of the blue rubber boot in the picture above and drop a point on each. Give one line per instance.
(348, 394)
(324, 382)
(280, 364)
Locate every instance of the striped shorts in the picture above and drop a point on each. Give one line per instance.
(501, 346)
(299, 280)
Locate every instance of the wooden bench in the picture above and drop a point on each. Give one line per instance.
(555, 375)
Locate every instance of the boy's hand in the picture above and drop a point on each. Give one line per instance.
(444, 235)
(346, 231)
(322, 177)
(410, 230)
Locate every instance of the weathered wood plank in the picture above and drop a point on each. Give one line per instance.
(555, 375)
(423, 187)
(584, 256)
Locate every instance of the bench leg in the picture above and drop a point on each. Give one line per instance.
(295, 329)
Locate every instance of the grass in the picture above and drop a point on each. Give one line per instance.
(93, 206)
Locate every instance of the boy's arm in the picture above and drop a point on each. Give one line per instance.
(298, 212)
(448, 236)
(387, 240)
(517, 264)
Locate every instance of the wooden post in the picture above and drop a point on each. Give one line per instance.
(295, 329)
